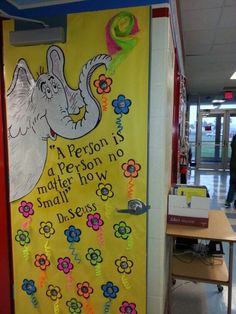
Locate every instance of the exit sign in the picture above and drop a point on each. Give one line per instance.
(228, 95)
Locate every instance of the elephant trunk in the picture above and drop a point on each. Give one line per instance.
(68, 128)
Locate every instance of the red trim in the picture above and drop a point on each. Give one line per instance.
(160, 12)
(187, 221)
(6, 282)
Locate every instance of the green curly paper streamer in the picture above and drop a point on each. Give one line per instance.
(121, 27)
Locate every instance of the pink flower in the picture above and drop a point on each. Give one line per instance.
(64, 264)
(26, 209)
(127, 307)
(94, 221)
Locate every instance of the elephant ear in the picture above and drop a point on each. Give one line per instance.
(55, 63)
(19, 105)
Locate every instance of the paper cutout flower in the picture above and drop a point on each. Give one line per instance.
(54, 292)
(72, 234)
(122, 230)
(131, 168)
(64, 264)
(109, 290)
(22, 237)
(124, 265)
(84, 289)
(94, 221)
(46, 229)
(94, 256)
(104, 191)
(28, 286)
(103, 84)
(121, 104)
(41, 261)
(26, 209)
(74, 306)
(128, 308)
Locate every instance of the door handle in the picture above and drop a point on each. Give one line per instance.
(135, 207)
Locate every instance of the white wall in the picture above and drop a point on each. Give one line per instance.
(160, 151)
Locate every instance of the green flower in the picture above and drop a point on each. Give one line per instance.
(122, 230)
(22, 237)
(94, 256)
(74, 306)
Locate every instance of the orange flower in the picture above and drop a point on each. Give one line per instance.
(103, 84)
(84, 289)
(41, 261)
(131, 168)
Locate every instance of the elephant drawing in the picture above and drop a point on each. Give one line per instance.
(40, 109)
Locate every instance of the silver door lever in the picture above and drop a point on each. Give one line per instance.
(135, 207)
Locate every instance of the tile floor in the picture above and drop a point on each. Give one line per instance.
(200, 298)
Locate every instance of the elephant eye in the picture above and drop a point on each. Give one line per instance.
(48, 92)
(53, 84)
(55, 87)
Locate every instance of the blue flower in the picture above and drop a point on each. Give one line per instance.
(28, 286)
(72, 234)
(121, 104)
(109, 290)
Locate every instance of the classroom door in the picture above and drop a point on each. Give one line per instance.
(77, 116)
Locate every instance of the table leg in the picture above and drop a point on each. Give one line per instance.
(171, 245)
(231, 254)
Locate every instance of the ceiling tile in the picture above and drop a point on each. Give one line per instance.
(228, 18)
(201, 19)
(196, 49)
(199, 37)
(225, 35)
(229, 2)
(200, 4)
(208, 60)
(223, 49)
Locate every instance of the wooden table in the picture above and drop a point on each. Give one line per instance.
(219, 229)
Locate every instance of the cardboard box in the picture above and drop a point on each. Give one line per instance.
(185, 211)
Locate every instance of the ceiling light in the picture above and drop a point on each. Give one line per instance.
(233, 77)
(218, 101)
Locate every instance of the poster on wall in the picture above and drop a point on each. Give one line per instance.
(77, 116)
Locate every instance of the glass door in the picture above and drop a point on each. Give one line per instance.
(215, 131)
(231, 130)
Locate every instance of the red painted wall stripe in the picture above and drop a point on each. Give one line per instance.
(160, 12)
(6, 282)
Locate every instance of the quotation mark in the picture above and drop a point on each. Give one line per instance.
(52, 146)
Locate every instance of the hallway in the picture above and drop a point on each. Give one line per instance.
(199, 298)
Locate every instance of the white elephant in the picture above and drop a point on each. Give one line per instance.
(40, 109)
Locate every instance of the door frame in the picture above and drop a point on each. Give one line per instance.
(224, 164)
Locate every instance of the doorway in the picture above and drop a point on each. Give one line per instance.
(215, 131)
